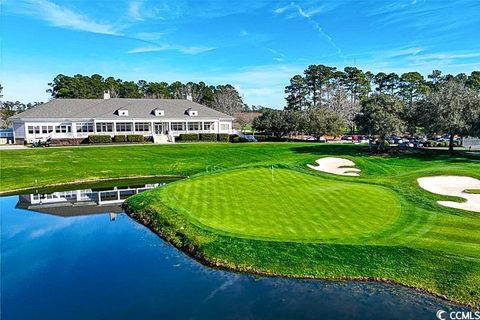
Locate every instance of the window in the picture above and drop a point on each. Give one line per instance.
(142, 126)
(64, 128)
(178, 126)
(34, 129)
(124, 126)
(85, 127)
(224, 127)
(122, 112)
(159, 113)
(194, 126)
(192, 113)
(104, 127)
(208, 126)
(47, 129)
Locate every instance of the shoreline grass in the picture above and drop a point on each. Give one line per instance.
(435, 272)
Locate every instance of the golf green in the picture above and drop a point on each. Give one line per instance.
(283, 204)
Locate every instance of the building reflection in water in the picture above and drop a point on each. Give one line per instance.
(83, 201)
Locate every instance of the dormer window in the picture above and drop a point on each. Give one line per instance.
(122, 112)
(192, 113)
(159, 113)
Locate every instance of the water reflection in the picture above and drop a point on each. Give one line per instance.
(82, 201)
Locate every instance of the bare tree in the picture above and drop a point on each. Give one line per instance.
(226, 99)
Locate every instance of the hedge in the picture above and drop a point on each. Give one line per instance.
(208, 137)
(135, 138)
(223, 137)
(120, 138)
(236, 139)
(98, 138)
(188, 137)
(69, 141)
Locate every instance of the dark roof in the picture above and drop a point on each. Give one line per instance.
(67, 209)
(106, 109)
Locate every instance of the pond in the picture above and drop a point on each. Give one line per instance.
(75, 255)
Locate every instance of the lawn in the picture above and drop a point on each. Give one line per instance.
(282, 204)
(258, 208)
(47, 166)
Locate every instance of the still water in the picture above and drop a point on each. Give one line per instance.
(75, 255)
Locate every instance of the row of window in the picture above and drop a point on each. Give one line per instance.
(49, 129)
(192, 126)
(122, 127)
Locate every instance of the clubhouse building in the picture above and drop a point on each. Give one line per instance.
(76, 119)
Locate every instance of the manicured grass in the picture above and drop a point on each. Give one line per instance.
(283, 204)
(473, 191)
(232, 213)
(42, 167)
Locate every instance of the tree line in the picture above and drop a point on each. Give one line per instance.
(224, 98)
(11, 108)
(326, 101)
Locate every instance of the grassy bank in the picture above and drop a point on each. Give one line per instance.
(257, 208)
(287, 220)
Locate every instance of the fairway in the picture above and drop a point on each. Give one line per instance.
(283, 204)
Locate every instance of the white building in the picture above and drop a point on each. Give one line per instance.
(72, 119)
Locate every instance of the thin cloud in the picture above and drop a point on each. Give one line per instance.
(195, 50)
(149, 36)
(294, 10)
(278, 56)
(408, 51)
(166, 47)
(139, 10)
(282, 9)
(319, 29)
(134, 10)
(435, 17)
(60, 16)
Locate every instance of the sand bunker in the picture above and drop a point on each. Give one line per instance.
(338, 166)
(454, 186)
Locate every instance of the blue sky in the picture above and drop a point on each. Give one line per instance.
(256, 46)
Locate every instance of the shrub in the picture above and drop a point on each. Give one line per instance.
(208, 137)
(263, 138)
(69, 141)
(186, 137)
(120, 138)
(99, 138)
(223, 137)
(237, 139)
(135, 138)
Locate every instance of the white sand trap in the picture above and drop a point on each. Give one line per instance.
(338, 166)
(454, 186)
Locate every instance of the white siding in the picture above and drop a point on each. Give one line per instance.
(19, 130)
